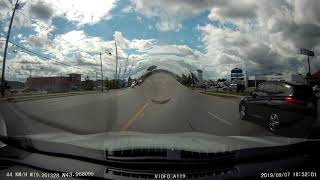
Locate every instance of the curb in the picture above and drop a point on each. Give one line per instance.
(48, 96)
(222, 94)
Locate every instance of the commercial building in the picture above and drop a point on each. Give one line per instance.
(314, 79)
(200, 75)
(73, 81)
(238, 76)
(253, 81)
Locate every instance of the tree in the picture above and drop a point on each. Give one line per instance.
(106, 83)
(129, 81)
(87, 78)
(194, 78)
(87, 84)
(222, 80)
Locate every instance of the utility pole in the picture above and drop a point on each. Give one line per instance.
(96, 80)
(115, 43)
(101, 73)
(6, 49)
(309, 66)
(125, 69)
(30, 71)
(119, 72)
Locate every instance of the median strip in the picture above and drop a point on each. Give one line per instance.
(44, 96)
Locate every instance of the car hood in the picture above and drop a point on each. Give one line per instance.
(197, 142)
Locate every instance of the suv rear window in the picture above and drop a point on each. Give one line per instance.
(303, 91)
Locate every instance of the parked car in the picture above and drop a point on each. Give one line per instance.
(278, 104)
(220, 85)
(140, 81)
(133, 85)
(230, 87)
(316, 90)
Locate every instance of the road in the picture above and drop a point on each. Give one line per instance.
(159, 105)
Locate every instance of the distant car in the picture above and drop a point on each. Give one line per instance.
(278, 104)
(133, 84)
(140, 81)
(230, 87)
(201, 85)
(220, 85)
(14, 91)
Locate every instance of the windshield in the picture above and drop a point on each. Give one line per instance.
(138, 73)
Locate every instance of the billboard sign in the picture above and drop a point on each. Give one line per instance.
(306, 52)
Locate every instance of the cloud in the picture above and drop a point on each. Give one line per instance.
(79, 11)
(128, 9)
(83, 11)
(5, 9)
(138, 44)
(307, 11)
(265, 36)
(170, 12)
(39, 42)
(41, 11)
(225, 10)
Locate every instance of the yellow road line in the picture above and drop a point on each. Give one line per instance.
(138, 114)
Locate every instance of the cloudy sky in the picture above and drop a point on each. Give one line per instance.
(67, 36)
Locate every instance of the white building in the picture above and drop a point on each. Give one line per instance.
(288, 77)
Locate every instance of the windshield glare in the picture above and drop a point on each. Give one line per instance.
(181, 74)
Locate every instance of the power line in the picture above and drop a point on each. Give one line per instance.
(42, 56)
(58, 37)
(51, 34)
(32, 52)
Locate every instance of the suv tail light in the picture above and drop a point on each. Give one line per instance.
(293, 101)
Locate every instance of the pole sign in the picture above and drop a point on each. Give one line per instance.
(306, 52)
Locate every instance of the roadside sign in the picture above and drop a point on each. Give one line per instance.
(306, 52)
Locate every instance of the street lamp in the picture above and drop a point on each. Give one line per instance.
(101, 68)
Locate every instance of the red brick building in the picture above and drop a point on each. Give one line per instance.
(314, 79)
(73, 81)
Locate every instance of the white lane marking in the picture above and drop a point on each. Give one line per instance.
(219, 118)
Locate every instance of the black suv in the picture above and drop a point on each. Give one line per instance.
(279, 104)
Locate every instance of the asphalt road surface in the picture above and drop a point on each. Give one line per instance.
(159, 105)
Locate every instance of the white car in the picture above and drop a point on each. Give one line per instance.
(133, 85)
(230, 87)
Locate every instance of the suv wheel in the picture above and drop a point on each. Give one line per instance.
(243, 112)
(274, 123)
